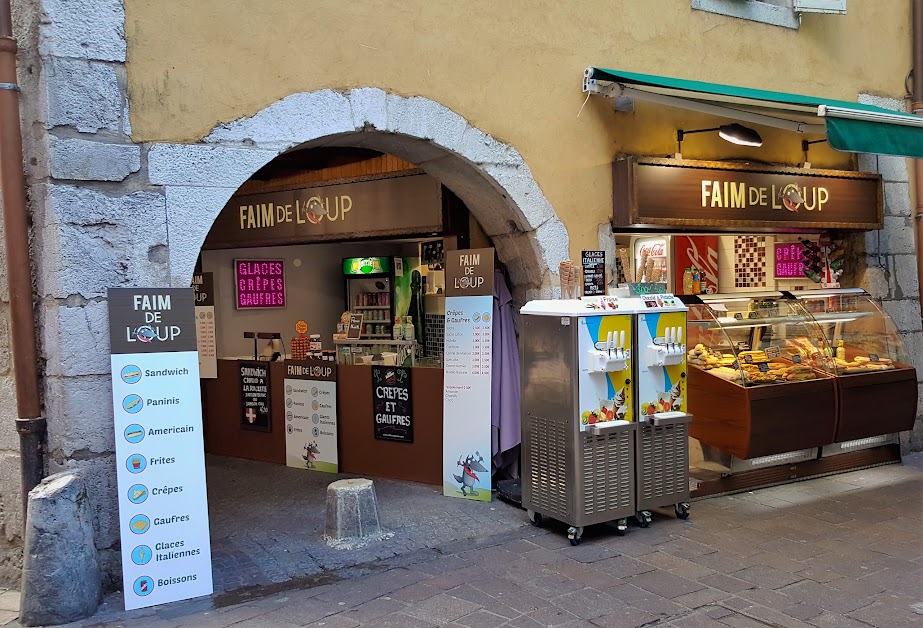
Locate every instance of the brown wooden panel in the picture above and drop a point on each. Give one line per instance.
(720, 412)
(360, 453)
(792, 416)
(223, 435)
(872, 404)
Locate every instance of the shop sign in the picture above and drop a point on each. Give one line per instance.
(160, 459)
(594, 273)
(366, 265)
(467, 368)
(311, 415)
(260, 283)
(391, 403)
(254, 396)
(204, 286)
(719, 196)
(348, 211)
(789, 260)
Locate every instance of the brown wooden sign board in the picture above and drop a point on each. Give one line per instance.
(349, 211)
(469, 273)
(684, 194)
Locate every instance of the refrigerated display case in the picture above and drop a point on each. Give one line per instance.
(752, 393)
(860, 345)
(370, 292)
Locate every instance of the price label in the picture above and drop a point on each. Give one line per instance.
(739, 316)
(748, 359)
(772, 352)
(796, 358)
(753, 315)
(764, 367)
(735, 365)
(873, 357)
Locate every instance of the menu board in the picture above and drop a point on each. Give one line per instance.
(391, 403)
(354, 330)
(467, 363)
(160, 454)
(204, 286)
(254, 396)
(311, 415)
(594, 273)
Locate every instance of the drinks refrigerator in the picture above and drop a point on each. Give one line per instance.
(590, 368)
(370, 292)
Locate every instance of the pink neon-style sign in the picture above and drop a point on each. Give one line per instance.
(788, 260)
(260, 283)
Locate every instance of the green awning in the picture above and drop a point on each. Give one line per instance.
(849, 126)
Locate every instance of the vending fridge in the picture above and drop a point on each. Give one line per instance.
(370, 292)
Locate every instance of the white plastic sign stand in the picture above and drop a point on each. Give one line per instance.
(160, 455)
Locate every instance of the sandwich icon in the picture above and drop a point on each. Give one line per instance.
(134, 434)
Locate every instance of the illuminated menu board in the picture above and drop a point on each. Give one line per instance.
(260, 283)
(788, 260)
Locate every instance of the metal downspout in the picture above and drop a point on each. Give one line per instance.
(917, 108)
(30, 424)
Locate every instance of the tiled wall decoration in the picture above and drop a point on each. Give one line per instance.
(749, 261)
(434, 333)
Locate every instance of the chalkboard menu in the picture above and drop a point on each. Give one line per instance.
(594, 273)
(354, 331)
(254, 396)
(392, 403)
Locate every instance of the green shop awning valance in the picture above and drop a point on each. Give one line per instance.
(849, 126)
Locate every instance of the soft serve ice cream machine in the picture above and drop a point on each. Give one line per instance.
(603, 380)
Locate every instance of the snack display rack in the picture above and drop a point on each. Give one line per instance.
(876, 388)
(751, 393)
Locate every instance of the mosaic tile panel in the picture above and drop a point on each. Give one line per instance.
(434, 332)
(750, 261)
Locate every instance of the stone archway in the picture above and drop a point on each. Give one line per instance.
(489, 176)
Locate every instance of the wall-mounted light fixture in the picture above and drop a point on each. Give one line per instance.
(805, 145)
(733, 133)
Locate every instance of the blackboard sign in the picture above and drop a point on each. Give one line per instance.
(391, 403)
(254, 396)
(594, 273)
(354, 331)
(644, 289)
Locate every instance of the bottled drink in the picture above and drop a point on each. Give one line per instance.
(696, 281)
(687, 281)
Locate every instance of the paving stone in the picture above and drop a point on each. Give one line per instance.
(741, 621)
(370, 611)
(803, 611)
(835, 620)
(416, 593)
(626, 617)
(696, 621)
(522, 601)
(442, 609)
(885, 615)
(336, 621)
(702, 598)
(543, 556)
(590, 553)
(551, 585)
(625, 566)
(481, 619)
(729, 584)
(768, 577)
(501, 609)
(399, 620)
(826, 597)
(552, 616)
(665, 584)
(676, 565)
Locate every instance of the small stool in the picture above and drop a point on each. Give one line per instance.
(352, 510)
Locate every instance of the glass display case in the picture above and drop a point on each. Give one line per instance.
(859, 343)
(370, 352)
(752, 391)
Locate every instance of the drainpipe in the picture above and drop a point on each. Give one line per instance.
(917, 108)
(30, 424)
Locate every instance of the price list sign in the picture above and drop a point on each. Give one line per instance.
(594, 273)
(311, 415)
(160, 456)
(204, 286)
(467, 365)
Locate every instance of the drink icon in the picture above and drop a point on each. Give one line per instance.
(136, 463)
(131, 374)
(143, 586)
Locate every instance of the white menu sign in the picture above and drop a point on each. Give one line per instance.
(467, 366)
(160, 455)
(311, 415)
(203, 285)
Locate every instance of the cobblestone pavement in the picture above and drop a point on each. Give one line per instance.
(845, 550)
(267, 522)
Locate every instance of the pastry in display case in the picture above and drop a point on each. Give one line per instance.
(752, 390)
(860, 344)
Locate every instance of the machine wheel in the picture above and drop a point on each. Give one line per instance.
(535, 518)
(644, 518)
(621, 526)
(575, 535)
(682, 510)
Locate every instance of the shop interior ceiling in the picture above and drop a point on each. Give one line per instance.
(851, 127)
(300, 160)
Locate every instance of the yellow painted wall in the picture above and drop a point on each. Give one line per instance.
(511, 68)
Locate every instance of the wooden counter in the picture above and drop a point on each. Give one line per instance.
(359, 452)
(872, 404)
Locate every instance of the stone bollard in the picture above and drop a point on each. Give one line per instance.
(352, 512)
(60, 575)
